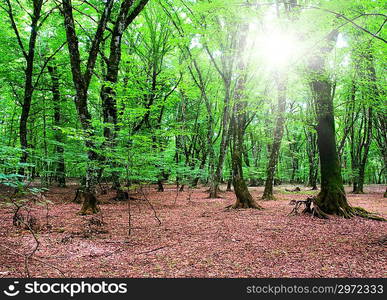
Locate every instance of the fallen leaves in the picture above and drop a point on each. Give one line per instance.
(197, 238)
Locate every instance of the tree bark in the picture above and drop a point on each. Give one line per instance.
(278, 133)
(128, 12)
(29, 57)
(332, 198)
(238, 126)
(311, 148)
(60, 172)
(226, 73)
(215, 181)
(81, 83)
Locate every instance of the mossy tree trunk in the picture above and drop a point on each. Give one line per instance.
(332, 198)
(225, 70)
(60, 172)
(239, 122)
(217, 177)
(278, 133)
(29, 57)
(312, 150)
(81, 81)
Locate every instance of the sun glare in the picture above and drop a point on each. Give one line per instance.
(278, 49)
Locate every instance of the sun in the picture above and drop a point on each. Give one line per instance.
(278, 49)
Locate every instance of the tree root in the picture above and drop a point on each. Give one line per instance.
(361, 212)
(240, 205)
(317, 212)
(268, 197)
(314, 211)
(345, 212)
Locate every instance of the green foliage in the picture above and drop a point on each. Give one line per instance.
(165, 103)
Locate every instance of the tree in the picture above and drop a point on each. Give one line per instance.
(239, 122)
(29, 57)
(278, 133)
(129, 10)
(60, 172)
(361, 131)
(331, 199)
(81, 84)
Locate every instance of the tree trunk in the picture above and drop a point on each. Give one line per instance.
(364, 137)
(200, 82)
(238, 128)
(226, 74)
(29, 57)
(255, 152)
(60, 171)
(229, 181)
(278, 133)
(311, 149)
(89, 204)
(214, 187)
(81, 83)
(128, 12)
(332, 198)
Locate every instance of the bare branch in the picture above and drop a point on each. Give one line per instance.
(15, 29)
(45, 64)
(96, 42)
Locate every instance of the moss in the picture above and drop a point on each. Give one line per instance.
(89, 205)
(268, 196)
(250, 204)
(361, 212)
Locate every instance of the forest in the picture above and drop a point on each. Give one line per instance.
(193, 138)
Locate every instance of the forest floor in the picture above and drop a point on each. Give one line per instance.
(197, 237)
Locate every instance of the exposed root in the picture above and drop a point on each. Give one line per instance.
(317, 212)
(348, 212)
(310, 208)
(228, 207)
(241, 205)
(361, 212)
(121, 195)
(268, 197)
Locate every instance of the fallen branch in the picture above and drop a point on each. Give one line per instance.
(153, 250)
(150, 204)
(34, 258)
